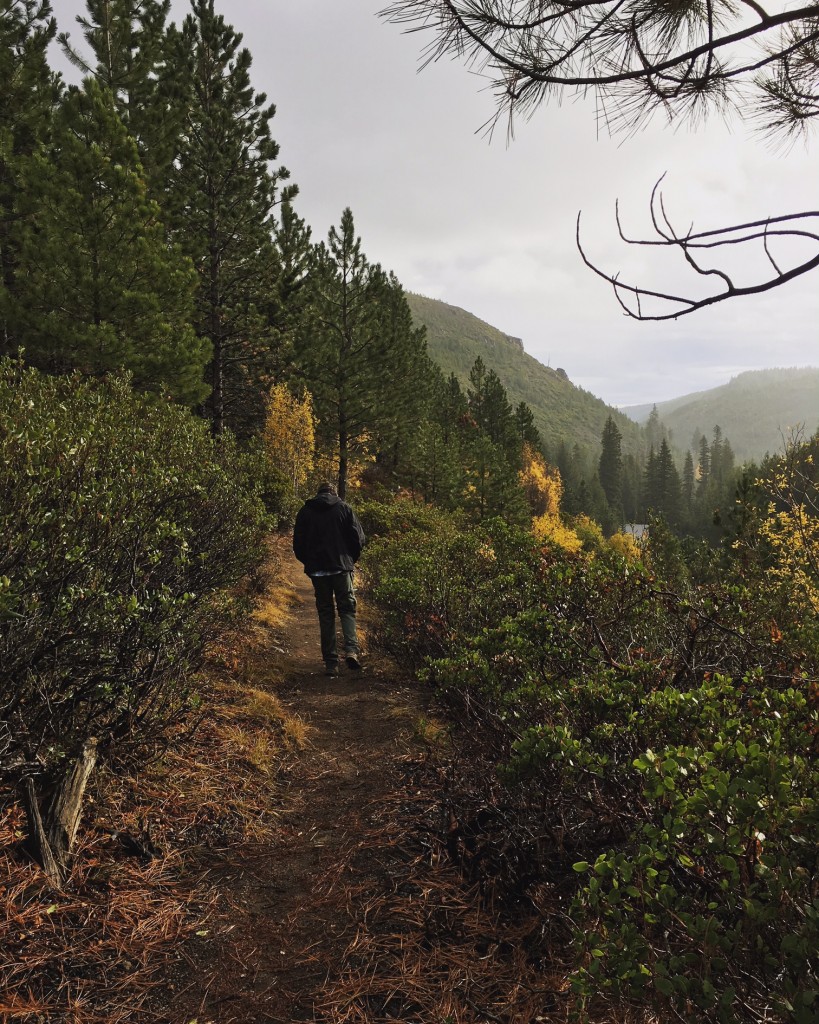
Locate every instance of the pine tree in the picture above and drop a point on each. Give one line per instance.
(525, 427)
(663, 488)
(134, 57)
(610, 466)
(99, 287)
(28, 92)
(357, 348)
(287, 301)
(492, 448)
(703, 469)
(688, 484)
(654, 429)
(716, 459)
(453, 408)
(632, 489)
(221, 200)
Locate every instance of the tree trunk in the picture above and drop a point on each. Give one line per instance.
(343, 445)
(52, 837)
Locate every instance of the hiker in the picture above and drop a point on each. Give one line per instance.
(327, 540)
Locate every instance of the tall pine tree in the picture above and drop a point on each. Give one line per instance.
(358, 350)
(610, 468)
(28, 92)
(221, 200)
(134, 56)
(99, 287)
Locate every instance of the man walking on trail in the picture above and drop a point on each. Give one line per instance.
(327, 540)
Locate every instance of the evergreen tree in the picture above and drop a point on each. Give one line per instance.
(286, 304)
(654, 429)
(492, 448)
(610, 466)
(662, 484)
(453, 408)
(525, 427)
(651, 486)
(221, 199)
(632, 489)
(358, 349)
(134, 58)
(495, 415)
(716, 476)
(703, 469)
(688, 484)
(99, 287)
(28, 92)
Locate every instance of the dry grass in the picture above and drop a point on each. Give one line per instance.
(92, 952)
(274, 609)
(95, 952)
(431, 731)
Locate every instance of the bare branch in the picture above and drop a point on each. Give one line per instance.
(682, 57)
(632, 297)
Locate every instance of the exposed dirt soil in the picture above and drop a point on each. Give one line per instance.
(380, 897)
(267, 952)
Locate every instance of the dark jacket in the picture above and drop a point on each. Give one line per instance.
(327, 536)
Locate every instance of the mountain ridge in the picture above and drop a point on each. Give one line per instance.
(755, 409)
(563, 412)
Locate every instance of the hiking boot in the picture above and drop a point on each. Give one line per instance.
(353, 662)
(331, 668)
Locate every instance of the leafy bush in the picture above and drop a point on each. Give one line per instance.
(121, 523)
(654, 740)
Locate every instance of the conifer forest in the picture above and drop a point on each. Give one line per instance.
(614, 638)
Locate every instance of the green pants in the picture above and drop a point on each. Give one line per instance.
(331, 592)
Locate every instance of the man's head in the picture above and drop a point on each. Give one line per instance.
(326, 488)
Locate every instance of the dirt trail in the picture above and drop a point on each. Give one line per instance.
(266, 959)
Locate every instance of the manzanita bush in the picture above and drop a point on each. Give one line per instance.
(121, 524)
(660, 726)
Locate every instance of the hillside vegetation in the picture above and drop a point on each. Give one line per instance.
(562, 411)
(755, 409)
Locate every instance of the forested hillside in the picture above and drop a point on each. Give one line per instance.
(756, 409)
(563, 412)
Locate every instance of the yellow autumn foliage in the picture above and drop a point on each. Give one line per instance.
(791, 526)
(550, 529)
(289, 434)
(793, 536)
(590, 534)
(543, 488)
(625, 545)
(541, 483)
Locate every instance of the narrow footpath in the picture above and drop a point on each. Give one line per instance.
(380, 898)
(270, 955)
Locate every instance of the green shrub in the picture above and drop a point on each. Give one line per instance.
(658, 735)
(121, 523)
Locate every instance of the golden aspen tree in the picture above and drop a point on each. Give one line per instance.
(289, 434)
(543, 489)
(541, 483)
(791, 526)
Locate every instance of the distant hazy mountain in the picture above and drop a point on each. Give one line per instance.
(562, 411)
(754, 410)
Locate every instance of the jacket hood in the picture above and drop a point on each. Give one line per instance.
(325, 500)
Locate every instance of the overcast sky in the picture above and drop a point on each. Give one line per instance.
(490, 226)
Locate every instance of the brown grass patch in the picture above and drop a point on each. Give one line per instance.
(97, 952)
